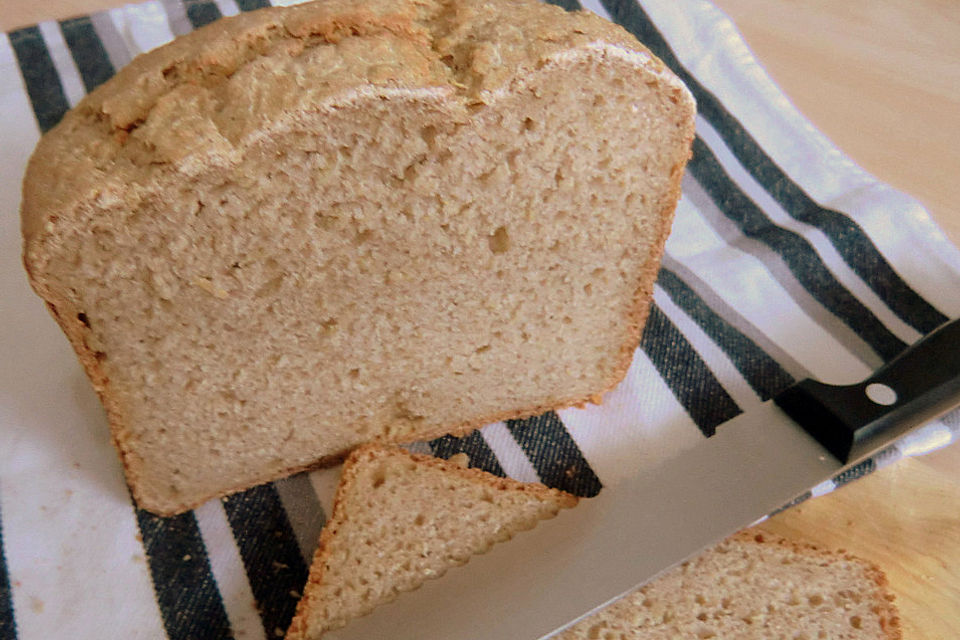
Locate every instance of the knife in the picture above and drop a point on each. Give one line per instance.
(546, 580)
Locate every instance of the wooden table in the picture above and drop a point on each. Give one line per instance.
(882, 79)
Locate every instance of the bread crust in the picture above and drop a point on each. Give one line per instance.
(87, 157)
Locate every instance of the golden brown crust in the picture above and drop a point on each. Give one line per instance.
(92, 141)
(447, 49)
(95, 154)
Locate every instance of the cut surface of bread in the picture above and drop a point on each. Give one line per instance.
(302, 229)
(754, 586)
(400, 519)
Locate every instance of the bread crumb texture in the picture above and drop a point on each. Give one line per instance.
(754, 586)
(400, 519)
(301, 229)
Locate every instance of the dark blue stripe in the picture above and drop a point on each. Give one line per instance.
(685, 372)
(87, 51)
(569, 5)
(850, 241)
(186, 591)
(202, 13)
(8, 624)
(798, 500)
(40, 77)
(275, 569)
(798, 254)
(481, 456)
(952, 419)
(858, 470)
(554, 454)
(252, 5)
(761, 372)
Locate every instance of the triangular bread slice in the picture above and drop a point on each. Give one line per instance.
(400, 519)
(754, 586)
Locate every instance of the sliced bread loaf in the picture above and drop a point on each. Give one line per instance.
(754, 586)
(305, 228)
(400, 519)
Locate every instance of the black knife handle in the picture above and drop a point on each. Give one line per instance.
(917, 386)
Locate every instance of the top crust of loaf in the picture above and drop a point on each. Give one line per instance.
(175, 105)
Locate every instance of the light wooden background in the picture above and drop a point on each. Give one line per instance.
(882, 79)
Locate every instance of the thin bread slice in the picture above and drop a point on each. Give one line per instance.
(301, 229)
(400, 519)
(754, 586)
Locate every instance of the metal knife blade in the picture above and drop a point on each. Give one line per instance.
(545, 580)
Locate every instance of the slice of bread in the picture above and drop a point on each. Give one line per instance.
(754, 586)
(302, 229)
(400, 519)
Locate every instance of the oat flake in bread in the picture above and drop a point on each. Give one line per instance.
(302, 229)
(400, 519)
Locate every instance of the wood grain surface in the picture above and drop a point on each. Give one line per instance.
(882, 79)
(904, 519)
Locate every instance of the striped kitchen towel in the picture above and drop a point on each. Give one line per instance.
(785, 261)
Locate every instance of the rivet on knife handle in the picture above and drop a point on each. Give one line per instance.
(920, 384)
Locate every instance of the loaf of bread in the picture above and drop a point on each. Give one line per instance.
(302, 229)
(754, 586)
(400, 519)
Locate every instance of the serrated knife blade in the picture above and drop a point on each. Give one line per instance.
(545, 580)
